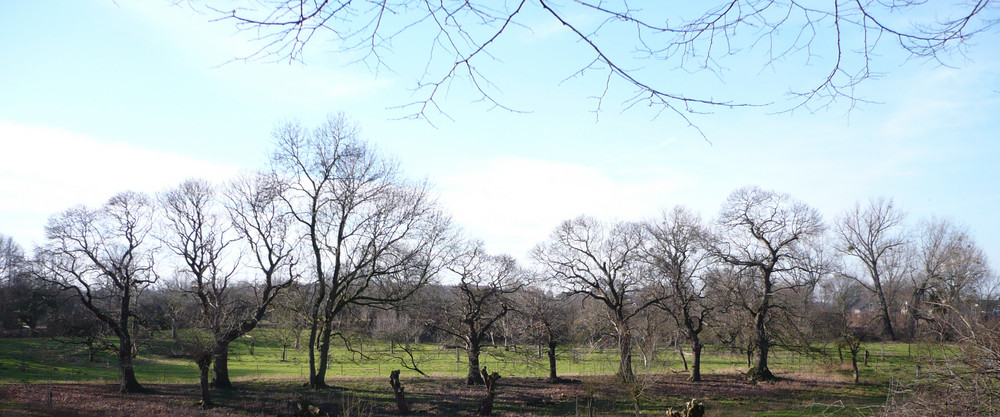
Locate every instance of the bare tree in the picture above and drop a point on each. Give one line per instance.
(545, 319)
(370, 235)
(951, 271)
(289, 317)
(11, 261)
(619, 41)
(470, 309)
(602, 262)
(102, 255)
(871, 235)
(199, 234)
(678, 252)
(765, 234)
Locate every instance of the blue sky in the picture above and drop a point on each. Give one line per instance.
(99, 97)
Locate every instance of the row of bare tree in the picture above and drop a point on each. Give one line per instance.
(333, 238)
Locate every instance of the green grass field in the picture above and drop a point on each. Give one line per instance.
(817, 384)
(44, 360)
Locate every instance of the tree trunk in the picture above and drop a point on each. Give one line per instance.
(314, 381)
(397, 389)
(680, 351)
(552, 363)
(760, 370)
(854, 363)
(886, 321)
(324, 357)
(486, 405)
(474, 377)
(696, 361)
(128, 383)
(625, 346)
(220, 378)
(206, 400)
(284, 349)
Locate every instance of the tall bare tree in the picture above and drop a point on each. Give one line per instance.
(208, 243)
(102, 255)
(765, 235)
(873, 237)
(678, 252)
(602, 262)
(369, 233)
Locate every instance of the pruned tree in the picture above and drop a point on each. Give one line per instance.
(371, 236)
(872, 237)
(625, 47)
(485, 407)
(483, 294)
(765, 235)
(677, 251)
(399, 392)
(603, 262)
(198, 232)
(104, 257)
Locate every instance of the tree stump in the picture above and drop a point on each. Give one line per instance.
(693, 408)
(486, 405)
(397, 389)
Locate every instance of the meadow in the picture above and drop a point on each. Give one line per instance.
(818, 383)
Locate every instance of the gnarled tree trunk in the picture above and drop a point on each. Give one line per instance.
(473, 348)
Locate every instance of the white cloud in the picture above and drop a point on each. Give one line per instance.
(514, 203)
(46, 170)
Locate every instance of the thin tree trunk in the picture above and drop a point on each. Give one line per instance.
(680, 351)
(206, 400)
(552, 362)
(314, 382)
(854, 363)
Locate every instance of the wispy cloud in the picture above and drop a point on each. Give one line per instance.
(47, 170)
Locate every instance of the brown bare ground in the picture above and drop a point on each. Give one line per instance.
(722, 394)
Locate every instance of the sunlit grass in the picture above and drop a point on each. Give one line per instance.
(44, 360)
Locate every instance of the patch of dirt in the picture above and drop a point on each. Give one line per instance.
(426, 396)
